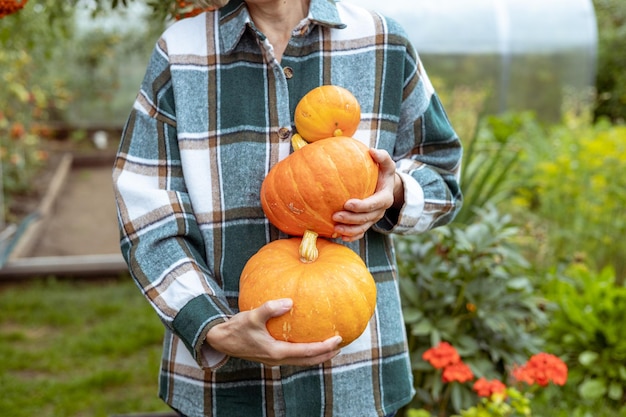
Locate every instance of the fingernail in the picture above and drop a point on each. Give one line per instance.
(285, 303)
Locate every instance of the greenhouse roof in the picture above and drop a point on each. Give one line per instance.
(493, 26)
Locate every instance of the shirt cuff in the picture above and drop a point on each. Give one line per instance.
(408, 217)
(193, 322)
(211, 358)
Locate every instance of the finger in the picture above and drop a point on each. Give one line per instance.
(382, 158)
(360, 211)
(272, 308)
(350, 233)
(306, 353)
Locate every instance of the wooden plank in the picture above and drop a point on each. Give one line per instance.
(77, 265)
(28, 239)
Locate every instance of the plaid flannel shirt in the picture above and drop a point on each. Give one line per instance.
(213, 115)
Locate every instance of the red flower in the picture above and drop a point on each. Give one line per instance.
(485, 388)
(457, 372)
(17, 130)
(442, 355)
(521, 374)
(542, 369)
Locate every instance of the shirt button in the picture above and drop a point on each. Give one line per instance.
(284, 133)
(288, 71)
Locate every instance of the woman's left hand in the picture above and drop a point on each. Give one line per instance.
(359, 215)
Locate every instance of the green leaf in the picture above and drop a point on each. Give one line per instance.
(616, 391)
(467, 344)
(622, 372)
(587, 357)
(412, 315)
(519, 283)
(592, 389)
(456, 397)
(421, 328)
(409, 291)
(418, 413)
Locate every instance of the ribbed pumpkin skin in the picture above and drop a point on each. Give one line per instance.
(325, 109)
(304, 190)
(334, 295)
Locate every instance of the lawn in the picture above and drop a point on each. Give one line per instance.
(77, 348)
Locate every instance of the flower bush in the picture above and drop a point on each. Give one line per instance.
(496, 398)
(587, 330)
(467, 284)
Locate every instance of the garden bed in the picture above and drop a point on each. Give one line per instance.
(66, 224)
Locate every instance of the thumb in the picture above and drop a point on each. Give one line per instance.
(382, 157)
(275, 308)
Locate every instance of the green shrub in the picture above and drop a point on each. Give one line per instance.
(574, 193)
(490, 160)
(587, 329)
(467, 285)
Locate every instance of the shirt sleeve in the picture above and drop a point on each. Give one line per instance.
(160, 237)
(428, 156)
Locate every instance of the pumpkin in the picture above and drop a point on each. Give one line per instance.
(334, 295)
(327, 111)
(303, 191)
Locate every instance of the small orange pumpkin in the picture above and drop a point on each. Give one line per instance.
(327, 111)
(304, 190)
(334, 295)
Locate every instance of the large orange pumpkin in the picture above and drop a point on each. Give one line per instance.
(327, 111)
(334, 295)
(304, 190)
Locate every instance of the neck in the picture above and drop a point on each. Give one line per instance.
(277, 18)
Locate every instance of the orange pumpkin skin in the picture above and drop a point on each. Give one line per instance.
(334, 295)
(326, 111)
(304, 190)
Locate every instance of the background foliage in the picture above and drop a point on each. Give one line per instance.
(31, 91)
(573, 194)
(611, 78)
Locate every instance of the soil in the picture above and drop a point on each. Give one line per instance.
(82, 220)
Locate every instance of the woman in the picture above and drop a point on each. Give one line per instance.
(214, 114)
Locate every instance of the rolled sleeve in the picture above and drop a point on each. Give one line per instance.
(192, 324)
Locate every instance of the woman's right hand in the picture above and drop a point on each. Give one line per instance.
(245, 336)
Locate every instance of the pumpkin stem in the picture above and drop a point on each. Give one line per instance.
(298, 142)
(338, 132)
(308, 247)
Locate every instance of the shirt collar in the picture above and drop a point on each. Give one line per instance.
(234, 18)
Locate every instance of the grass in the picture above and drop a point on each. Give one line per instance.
(77, 349)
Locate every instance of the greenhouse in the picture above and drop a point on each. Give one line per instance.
(530, 54)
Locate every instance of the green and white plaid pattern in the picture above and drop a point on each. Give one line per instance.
(213, 115)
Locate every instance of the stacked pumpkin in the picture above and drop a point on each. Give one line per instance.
(332, 290)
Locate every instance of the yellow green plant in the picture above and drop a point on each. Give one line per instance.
(576, 187)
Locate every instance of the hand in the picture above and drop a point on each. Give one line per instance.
(245, 336)
(359, 215)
